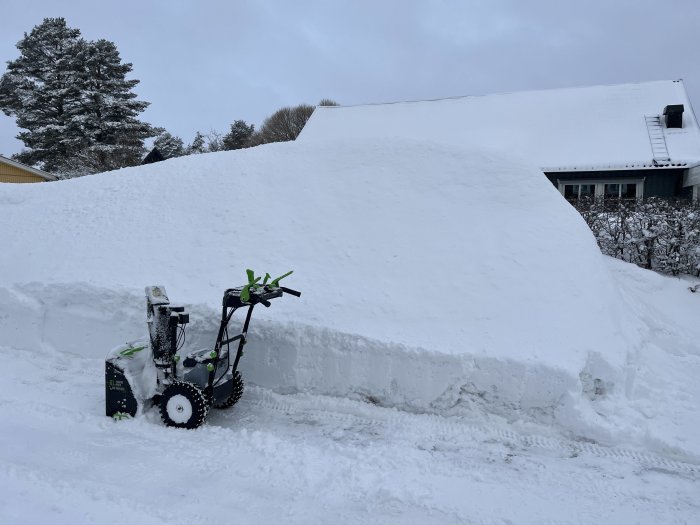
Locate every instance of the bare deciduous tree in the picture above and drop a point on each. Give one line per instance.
(328, 102)
(284, 124)
(215, 141)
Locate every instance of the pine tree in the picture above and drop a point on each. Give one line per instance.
(38, 89)
(112, 131)
(198, 145)
(239, 135)
(72, 98)
(169, 145)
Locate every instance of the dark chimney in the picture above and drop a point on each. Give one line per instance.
(674, 116)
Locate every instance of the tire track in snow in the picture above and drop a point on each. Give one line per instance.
(354, 412)
(476, 447)
(379, 418)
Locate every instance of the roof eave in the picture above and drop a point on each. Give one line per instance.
(33, 171)
(627, 166)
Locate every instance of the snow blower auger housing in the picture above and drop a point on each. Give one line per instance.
(151, 369)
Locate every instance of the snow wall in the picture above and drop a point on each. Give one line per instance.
(434, 278)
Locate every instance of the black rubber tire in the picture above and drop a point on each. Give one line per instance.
(238, 386)
(183, 405)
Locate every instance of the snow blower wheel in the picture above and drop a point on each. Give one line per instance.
(183, 405)
(238, 386)
(184, 385)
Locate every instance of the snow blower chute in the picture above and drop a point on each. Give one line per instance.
(151, 369)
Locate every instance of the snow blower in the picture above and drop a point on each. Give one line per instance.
(151, 370)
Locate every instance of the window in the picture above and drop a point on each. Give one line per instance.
(621, 191)
(571, 191)
(587, 190)
(628, 191)
(612, 191)
(606, 189)
(579, 191)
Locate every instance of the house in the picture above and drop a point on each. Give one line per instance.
(153, 156)
(13, 171)
(628, 140)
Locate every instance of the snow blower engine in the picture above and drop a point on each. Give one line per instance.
(151, 369)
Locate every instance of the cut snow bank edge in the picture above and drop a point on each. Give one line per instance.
(86, 321)
(425, 245)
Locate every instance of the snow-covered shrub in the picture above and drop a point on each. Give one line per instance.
(660, 234)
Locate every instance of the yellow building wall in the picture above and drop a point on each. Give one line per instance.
(13, 174)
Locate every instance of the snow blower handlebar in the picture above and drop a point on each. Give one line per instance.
(236, 297)
(254, 293)
(290, 291)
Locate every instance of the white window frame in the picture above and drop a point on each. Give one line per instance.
(600, 185)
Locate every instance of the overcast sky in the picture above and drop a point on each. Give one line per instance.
(203, 64)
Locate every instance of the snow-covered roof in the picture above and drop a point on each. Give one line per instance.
(34, 171)
(586, 128)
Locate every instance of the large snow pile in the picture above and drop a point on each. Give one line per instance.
(558, 383)
(434, 278)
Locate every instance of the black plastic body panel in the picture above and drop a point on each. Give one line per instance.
(119, 398)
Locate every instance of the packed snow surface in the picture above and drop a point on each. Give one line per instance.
(461, 353)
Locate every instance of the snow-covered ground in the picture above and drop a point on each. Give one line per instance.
(461, 352)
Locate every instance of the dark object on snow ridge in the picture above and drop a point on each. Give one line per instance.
(153, 156)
